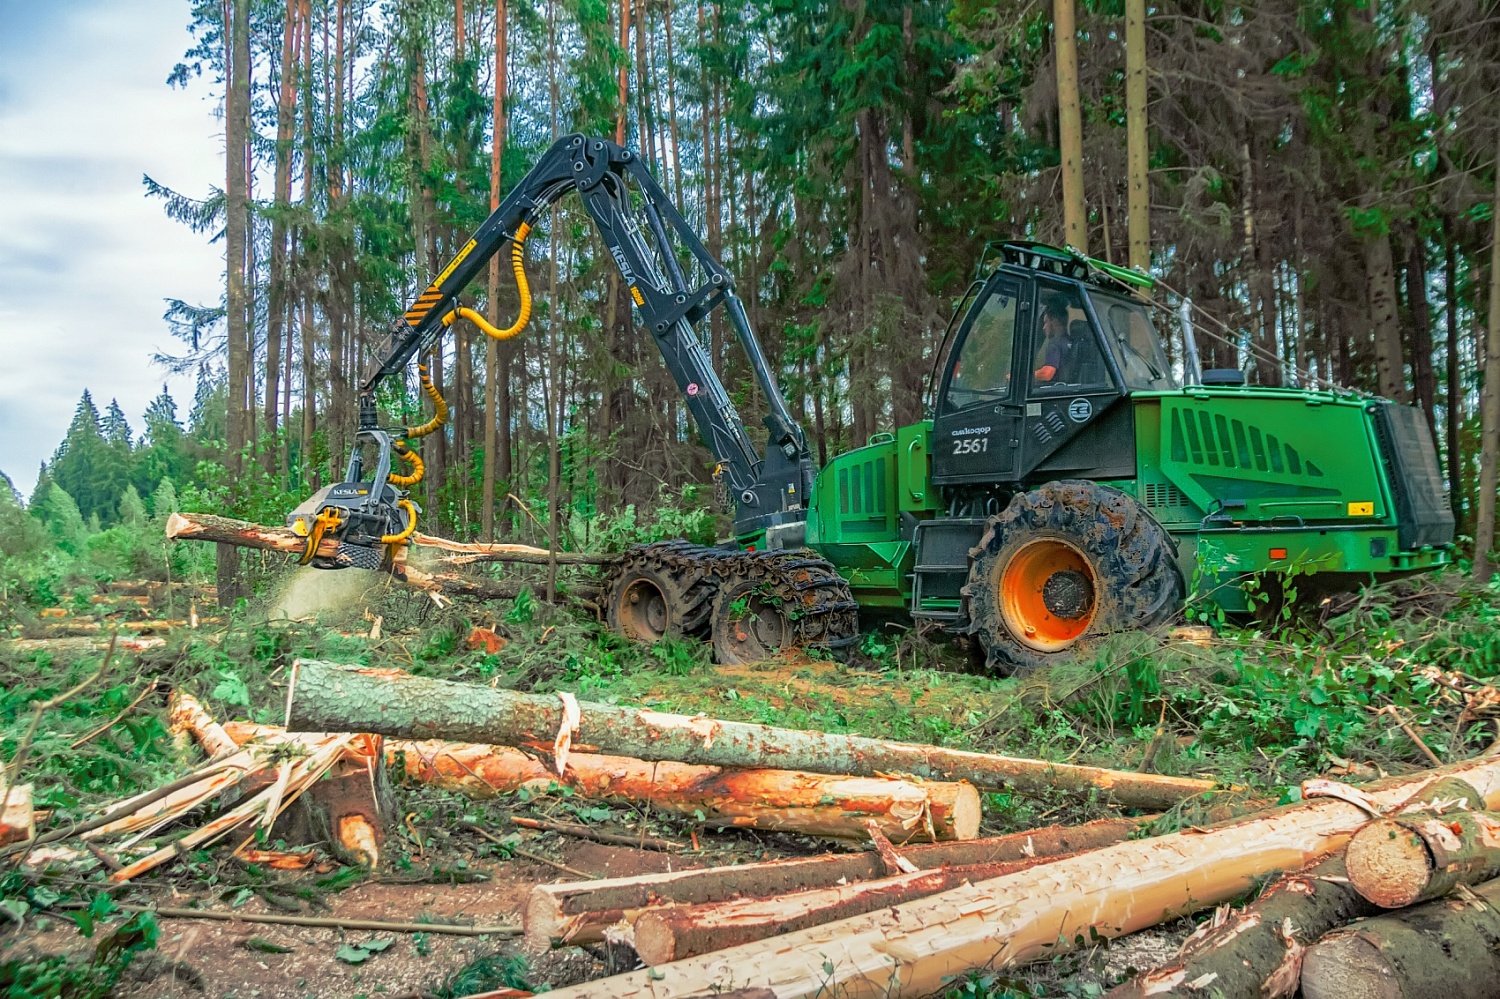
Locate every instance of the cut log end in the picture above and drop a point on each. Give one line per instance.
(1388, 864)
(966, 811)
(1347, 966)
(655, 940)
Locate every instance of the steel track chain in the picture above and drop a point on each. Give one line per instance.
(823, 609)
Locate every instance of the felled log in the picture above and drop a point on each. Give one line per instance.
(672, 932)
(913, 949)
(328, 697)
(17, 821)
(1256, 952)
(242, 534)
(1405, 859)
(790, 801)
(578, 912)
(1441, 950)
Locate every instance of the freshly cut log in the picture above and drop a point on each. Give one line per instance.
(1250, 954)
(786, 800)
(913, 949)
(243, 534)
(329, 697)
(1256, 953)
(672, 932)
(578, 912)
(1441, 950)
(1405, 859)
(17, 820)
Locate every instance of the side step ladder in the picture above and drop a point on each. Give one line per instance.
(942, 567)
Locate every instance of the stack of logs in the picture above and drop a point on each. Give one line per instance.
(903, 922)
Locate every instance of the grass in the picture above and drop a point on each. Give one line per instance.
(1262, 707)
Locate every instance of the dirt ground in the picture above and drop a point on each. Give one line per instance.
(200, 958)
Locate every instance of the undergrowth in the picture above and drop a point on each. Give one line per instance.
(1259, 708)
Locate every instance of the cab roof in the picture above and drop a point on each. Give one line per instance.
(1068, 263)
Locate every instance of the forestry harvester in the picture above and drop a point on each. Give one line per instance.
(1065, 485)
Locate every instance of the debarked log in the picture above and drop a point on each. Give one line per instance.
(672, 932)
(1440, 950)
(916, 948)
(789, 801)
(578, 912)
(329, 697)
(1256, 953)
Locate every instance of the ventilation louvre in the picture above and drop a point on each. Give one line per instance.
(1203, 439)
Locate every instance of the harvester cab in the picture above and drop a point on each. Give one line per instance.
(1048, 348)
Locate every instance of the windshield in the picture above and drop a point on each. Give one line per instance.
(982, 371)
(1131, 336)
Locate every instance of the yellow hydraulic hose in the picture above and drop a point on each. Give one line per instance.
(413, 459)
(411, 525)
(439, 404)
(517, 264)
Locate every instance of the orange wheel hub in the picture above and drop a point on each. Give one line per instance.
(1046, 592)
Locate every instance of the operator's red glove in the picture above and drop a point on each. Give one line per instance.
(1046, 372)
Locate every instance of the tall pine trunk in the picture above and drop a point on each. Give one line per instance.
(276, 307)
(496, 368)
(1070, 126)
(1138, 195)
(1489, 419)
(236, 232)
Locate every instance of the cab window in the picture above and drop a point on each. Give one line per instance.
(1066, 357)
(1133, 338)
(983, 370)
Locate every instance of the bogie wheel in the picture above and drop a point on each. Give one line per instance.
(748, 625)
(1063, 565)
(644, 603)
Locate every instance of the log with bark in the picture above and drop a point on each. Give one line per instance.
(1256, 953)
(1405, 859)
(1441, 950)
(436, 574)
(784, 800)
(671, 932)
(329, 697)
(580, 912)
(915, 948)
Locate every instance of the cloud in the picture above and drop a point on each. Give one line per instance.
(85, 259)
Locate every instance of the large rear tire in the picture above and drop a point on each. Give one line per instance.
(1061, 567)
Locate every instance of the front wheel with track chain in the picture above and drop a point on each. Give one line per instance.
(1061, 567)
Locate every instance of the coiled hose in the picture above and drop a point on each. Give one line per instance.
(518, 265)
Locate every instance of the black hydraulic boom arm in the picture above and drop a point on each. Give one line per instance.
(637, 222)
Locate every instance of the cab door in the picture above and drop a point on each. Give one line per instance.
(1071, 389)
(976, 428)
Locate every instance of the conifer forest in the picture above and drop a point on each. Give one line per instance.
(926, 498)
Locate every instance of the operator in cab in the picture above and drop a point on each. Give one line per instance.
(1056, 347)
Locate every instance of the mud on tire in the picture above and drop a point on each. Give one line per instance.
(649, 595)
(1062, 566)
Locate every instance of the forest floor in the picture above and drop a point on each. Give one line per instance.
(1261, 708)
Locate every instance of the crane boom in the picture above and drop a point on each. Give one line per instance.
(644, 233)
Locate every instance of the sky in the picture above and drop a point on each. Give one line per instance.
(86, 260)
